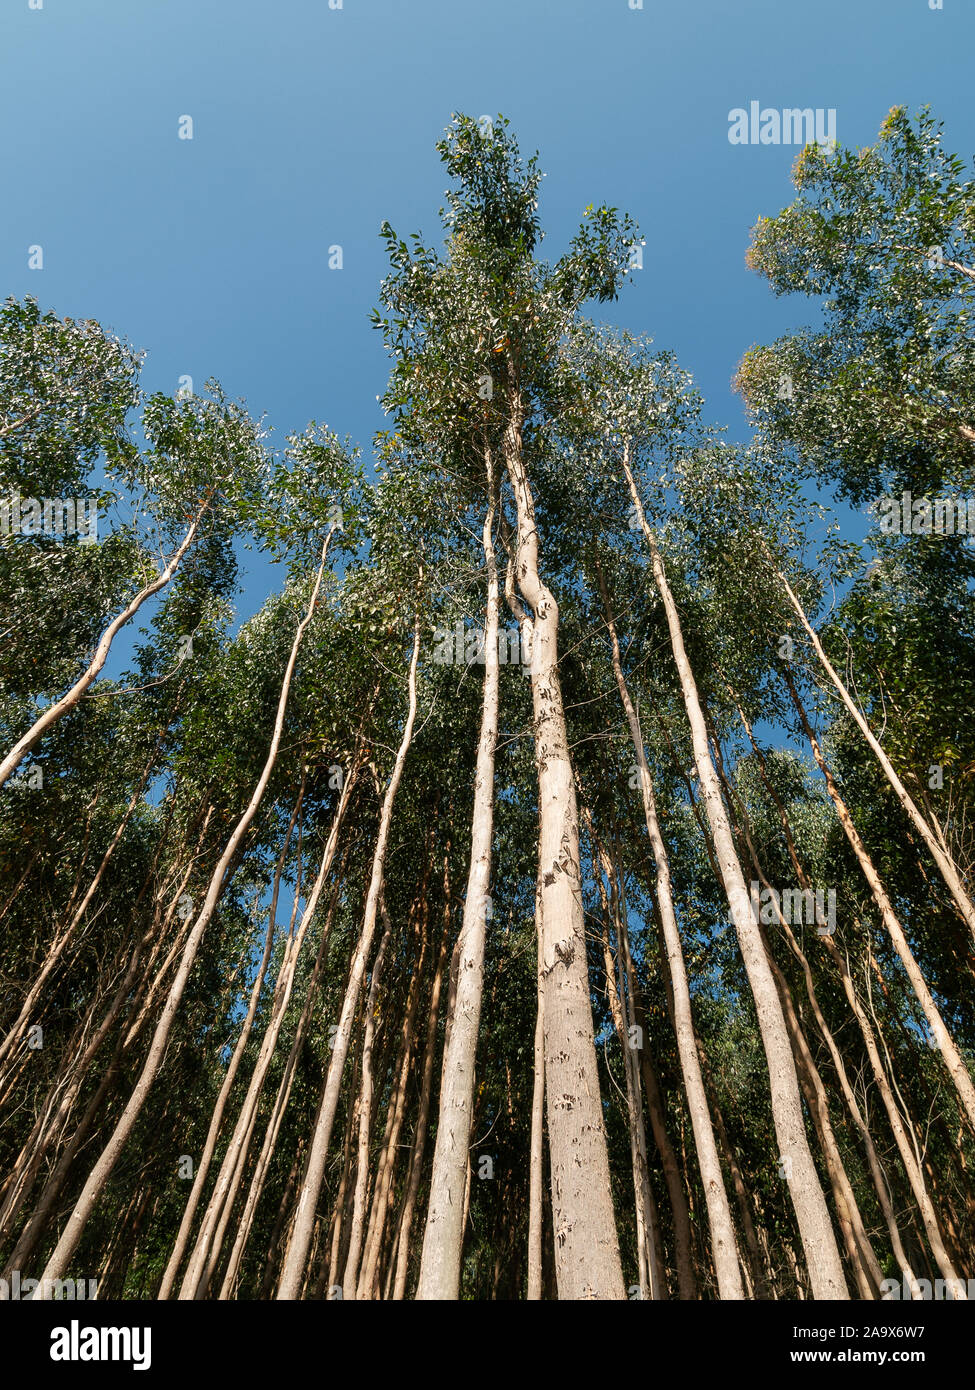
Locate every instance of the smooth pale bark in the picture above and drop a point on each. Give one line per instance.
(109, 1156)
(68, 1087)
(687, 1287)
(207, 1246)
(756, 1264)
(278, 1112)
(384, 1190)
(905, 1131)
(630, 992)
(350, 1279)
(905, 1147)
(650, 1275)
(815, 1228)
(216, 1118)
(859, 1249)
(536, 1158)
(293, 1269)
(62, 938)
(136, 1008)
(950, 1055)
(724, 1251)
(60, 707)
(422, 1123)
(443, 1237)
(936, 849)
(877, 1174)
(587, 1256)
(284, 1206)
(862, 1257)
(340, 1231)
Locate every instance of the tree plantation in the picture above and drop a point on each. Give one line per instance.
(563, 886)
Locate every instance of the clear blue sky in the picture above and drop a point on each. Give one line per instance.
(312, 125)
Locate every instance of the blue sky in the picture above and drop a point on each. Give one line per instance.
(311, 125)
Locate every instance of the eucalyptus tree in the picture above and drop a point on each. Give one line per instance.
(476, 334)
(393, 588)
(756, 508)
(173, 427)
(386, 890)
(67, 388)
(884, 395)
(633, 412)
(202, 465)
(884, 236)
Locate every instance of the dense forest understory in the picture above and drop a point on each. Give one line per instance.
(564, 885)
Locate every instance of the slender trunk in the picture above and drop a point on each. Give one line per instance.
(423, 1119)
(724, 1250)
(311, 1186)
(99, 1175)
(755, 1260)
(651, 1278)
(384, 1191)
(950, 1055)
(62, 938)
(877, 1173)
(537, 1150)
(680, 1212)
(350, 1280)
(207, 1246)
(203, 1166)
(815, 1228)
(55, 1127)
(281, 1103)
(905, 1147)
(54, 711)
(587, 1256)
(444, 1236)
(860, 1252)
(936, 849)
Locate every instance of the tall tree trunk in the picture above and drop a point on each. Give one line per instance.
(537, 1155)
(216, 1118)
(724, 1250)
(350, 1280)
(384, 1190)
(619, 976)
(56, 950)
(936, 848)
(301, 1236)
(444, 1236)
(687, 1286)
(877, 1174)
(950, 1055)
(905, 1147)
(860, 1252)
(73, 697)
(587, 1256)
(99, 1175)
(277, 1113)
(756, 1262)
(815, 1228)
(207, 1246)
(423, 1118)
